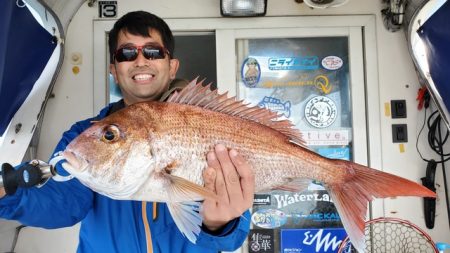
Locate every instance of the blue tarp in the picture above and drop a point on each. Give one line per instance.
(435, 33)
(25, 48)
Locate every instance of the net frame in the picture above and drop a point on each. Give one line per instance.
(392, 235)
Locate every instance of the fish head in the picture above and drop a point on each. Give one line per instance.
(113, 156)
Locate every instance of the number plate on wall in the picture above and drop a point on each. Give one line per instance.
(107, 9)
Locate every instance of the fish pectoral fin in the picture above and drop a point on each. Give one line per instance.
(187, 218)
(188, 190)
(294, 184)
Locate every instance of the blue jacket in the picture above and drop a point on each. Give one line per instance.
(109, 225)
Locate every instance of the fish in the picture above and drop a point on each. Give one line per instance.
(156, 151)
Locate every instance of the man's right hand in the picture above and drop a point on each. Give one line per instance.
(2, 192)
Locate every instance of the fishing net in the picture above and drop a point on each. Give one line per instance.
(391, 235)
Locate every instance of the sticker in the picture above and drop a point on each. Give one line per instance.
(320, 112)
(262, 200)
(261, 241)
(323, 84)
(107, 9)
(288, 198)
(250, 72)
(332, 62)
(324, 138)
(401, 148)
(276, 105)
(387, 109)
(318, 216)
(315, 186)
(294, 63)
(269, 218)
(335, 153)
(311, 240)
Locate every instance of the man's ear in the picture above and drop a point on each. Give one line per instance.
(112, 70)
(174, 64)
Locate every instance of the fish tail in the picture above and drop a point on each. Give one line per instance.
(361, 186)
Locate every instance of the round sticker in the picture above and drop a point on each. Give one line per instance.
(320, 112)
(250, 72)
(269, 218)
(332, 62)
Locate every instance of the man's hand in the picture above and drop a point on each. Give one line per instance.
(232, 179)
(2, 192)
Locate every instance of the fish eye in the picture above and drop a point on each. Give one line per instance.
(111, 133)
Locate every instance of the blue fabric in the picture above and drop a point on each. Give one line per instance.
(109, 225)
(25, 48)
(435, 33)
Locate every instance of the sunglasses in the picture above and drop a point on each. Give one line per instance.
(130, 53)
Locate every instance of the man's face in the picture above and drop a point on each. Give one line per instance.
(143, 79)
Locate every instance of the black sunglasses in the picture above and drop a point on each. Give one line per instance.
(130, 53)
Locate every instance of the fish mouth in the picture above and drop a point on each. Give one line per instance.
(74, 162)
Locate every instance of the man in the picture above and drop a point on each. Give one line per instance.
(141, 49)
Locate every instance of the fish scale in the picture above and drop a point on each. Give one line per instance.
(167, 143)
(283, 166)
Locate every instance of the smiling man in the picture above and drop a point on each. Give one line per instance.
(141, 78)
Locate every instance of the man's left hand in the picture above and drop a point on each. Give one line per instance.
(232, 179)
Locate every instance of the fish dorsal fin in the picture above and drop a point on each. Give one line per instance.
(198, 95)
(294, 184)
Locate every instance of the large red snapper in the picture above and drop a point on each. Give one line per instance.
(156, 151)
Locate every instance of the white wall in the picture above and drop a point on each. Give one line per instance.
(397, 80)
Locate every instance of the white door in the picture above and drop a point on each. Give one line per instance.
(290, 69)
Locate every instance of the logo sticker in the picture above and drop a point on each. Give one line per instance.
(311, 240)
(327, 137)
(262, 200)
(335, 153)
(261, 241)
(332, 62)
(320, 112)
(269, 218)
(334, 216)
(250, 72)
(288, 198)
(294, 63)
(323, 84)
(276, 105)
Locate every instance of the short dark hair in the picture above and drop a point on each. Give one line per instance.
(139, 23)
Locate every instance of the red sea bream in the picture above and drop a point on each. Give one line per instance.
(156, 151)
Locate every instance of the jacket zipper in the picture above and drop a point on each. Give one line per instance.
(148, 233)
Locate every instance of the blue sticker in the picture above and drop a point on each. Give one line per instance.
(335, 153)
(250, 72)
(312, 240)
(319, 216)
(294, 63)
(269, 218)
(276, 105)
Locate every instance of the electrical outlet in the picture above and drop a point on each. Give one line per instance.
(399, 133)
(398, 109)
